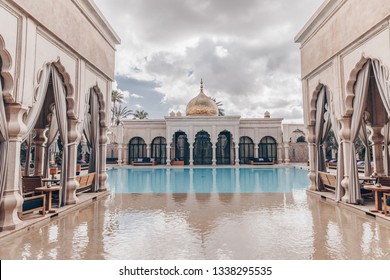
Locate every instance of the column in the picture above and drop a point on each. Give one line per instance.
(191, 154)
(214, 160)
(346, 142)
(12, 200)
(168, 147)
(102, 158)
(237, 159)
(148, 154)
(376, 138)
(119, 135)
(40, 141)
(286, 152)
(280, 157)
(74, 138)
(311, 146)
(125, 154)
(119, 154)
(256, 151)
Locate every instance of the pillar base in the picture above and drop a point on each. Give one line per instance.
(345, 199)
(10, 205)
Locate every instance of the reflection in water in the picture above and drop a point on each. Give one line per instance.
(279, 225)
(207, 180)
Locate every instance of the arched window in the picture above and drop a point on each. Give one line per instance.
(224, 148)
(246, 149)
(137, 149)
(182, 147)
(301, 139)
(268, 148)
(159, 150)
(202, 148)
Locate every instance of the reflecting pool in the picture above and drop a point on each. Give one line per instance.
(285, 223)
(207, 180)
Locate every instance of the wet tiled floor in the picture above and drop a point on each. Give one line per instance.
(205, 226)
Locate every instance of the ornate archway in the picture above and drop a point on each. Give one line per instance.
(159, 150)
(268, 149)
(181, 147)
(246, 149)
(137, 149)
(202, 148)
(224, 147)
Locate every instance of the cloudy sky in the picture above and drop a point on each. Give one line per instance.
(243, 49)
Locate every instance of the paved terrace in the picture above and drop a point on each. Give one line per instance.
(86, 199)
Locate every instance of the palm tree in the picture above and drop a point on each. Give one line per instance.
(116, 97)
(120, 113)
(221, 111)
(140, 115)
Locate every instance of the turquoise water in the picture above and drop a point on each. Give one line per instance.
(207, 180)
(264, 214)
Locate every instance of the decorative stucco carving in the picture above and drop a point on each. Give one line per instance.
(102, 106)
(6, 67)
(353, 77)
(70, 96)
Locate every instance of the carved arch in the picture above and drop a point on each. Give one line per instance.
(102, 106)
(313, 103)
(70, 95)
(8, 80)
(225, 130)
(208, 130)
(350, 94)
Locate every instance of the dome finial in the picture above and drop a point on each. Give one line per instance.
(201, 105)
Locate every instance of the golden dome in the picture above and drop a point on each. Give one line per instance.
(201, 105)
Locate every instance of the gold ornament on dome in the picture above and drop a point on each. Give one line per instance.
(201, 105)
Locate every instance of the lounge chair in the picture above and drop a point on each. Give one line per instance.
(85, 183)
(386, 204)
(329, 181)
(361, 166)
(261, 161)
(32, 204)
(30, 183)
(332, 164)
(383, 180)
(177, 161)
(144, 162)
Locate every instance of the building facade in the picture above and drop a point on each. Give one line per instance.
(345, 57)
(57, 66)
(201, 137)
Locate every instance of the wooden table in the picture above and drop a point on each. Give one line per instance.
(367, 179)
(49, 195)
(378, 193)
(53, 180)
